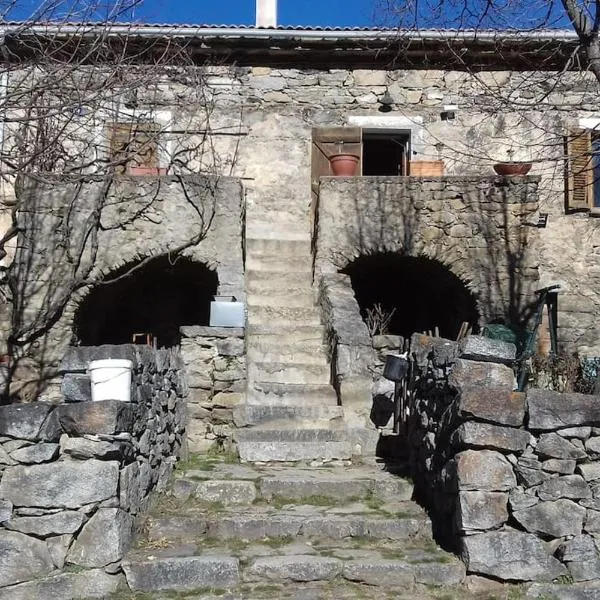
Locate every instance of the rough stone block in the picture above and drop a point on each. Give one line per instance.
(475, 347)
(518, 499)
(77, 359)
(64, 484)
(76, 388)
(510, 555)
(581, 556)
(56, 524)
(182, 574)
(89, 584)
(470, 373)
(481, 510)
(557, 465)
(552, 445)
(38, 453)
(497, 405)
(580, 433)
(569, 486)
(231, 347)
(111, 525)
(549, 410)
(557, 519)
(593, 446)
(24, 421)
(485, 435)
(22, 558)
(589, 471)
(6, 509)
(58, 546)
(484, 470)
(295, 567)
(105, 416)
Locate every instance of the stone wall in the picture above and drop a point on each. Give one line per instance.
(214, 360)
(511, 478)
(75, 476)
(77, 232)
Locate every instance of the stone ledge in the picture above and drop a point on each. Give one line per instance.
(216, 332)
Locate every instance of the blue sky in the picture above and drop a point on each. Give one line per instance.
(343, 13)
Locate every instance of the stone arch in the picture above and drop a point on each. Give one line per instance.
(422, 292)
(155, 296)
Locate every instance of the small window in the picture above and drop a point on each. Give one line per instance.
(134, 148)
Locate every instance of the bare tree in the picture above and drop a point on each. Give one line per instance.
(85, 100)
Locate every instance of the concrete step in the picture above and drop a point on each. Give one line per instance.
(299, 297)
(252, 414)
(278, 264)
(284, 315)
(286, 334)
(315, 355)
(265, 282)
(277, 372)
(299, 246)
(281, 394)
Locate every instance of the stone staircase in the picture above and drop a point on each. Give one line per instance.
(291, 411)
(238, 531)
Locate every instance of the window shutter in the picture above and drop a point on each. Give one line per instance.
(579, 177)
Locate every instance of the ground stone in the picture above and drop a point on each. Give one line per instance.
(226, 492)
(296, 568)
(556, 519)
(181, 574)
(64, 484)
(56, 524)
(564, 592)
(511, 555)
(22, 558)
(380, 573)
(111, 525)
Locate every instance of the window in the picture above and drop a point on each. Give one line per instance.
(134, 148)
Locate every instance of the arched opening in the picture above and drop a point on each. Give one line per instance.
(148, 304)
(421, 293)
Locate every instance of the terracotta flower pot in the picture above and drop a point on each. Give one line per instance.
(344, 165)
(512, 168)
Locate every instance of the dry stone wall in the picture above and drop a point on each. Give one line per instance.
(74, 477)
(214, 359)
(511, 478)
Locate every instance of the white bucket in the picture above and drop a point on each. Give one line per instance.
(111, 379)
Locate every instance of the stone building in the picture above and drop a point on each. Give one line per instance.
(309, 253)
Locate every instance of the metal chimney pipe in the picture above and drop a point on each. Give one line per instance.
(266, 13)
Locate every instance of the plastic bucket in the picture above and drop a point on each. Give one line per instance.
(111, 379)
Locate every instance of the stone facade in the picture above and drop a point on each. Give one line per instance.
(510, 477)
(215, 371)
(75, 473)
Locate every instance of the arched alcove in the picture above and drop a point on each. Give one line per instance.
(152, 301)
(422, 292)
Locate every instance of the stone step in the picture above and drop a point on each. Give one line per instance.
(281, 394)
(278, 226)
(278, 264)
(262, 352)
(146, 573)
(285, 334)
(295, 298)
(275, 450)
(284, 315)
(252, 414)
(277, 372)
(299, 246)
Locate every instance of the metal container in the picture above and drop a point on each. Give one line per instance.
(227, 313)
(396, 367)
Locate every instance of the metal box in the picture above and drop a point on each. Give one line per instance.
(227, 314)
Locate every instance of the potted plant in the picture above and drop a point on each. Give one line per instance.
(511, 167)
(343, 164)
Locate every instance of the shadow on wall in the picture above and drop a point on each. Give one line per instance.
(152, 301)
(418, 294)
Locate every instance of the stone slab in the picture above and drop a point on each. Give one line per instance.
(473, 434)
(484, 470)
(226, 492)
(556, 519)
(481, 510)
(549, 410)
(500, 406)
(23, 421)
(43, 526)
(383, 573)
(477, 347)
(22, 558)
(105, 416)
